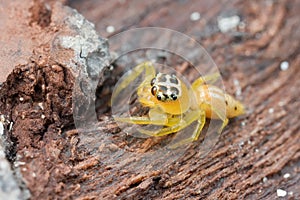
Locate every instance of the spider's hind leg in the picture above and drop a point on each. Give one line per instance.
(221, 113)
(196, 133)
(211, 78)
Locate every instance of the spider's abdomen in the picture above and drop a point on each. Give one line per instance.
(211, 98)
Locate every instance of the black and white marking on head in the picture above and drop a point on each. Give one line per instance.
(166, 87)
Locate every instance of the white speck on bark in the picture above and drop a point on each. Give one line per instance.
(281, 193)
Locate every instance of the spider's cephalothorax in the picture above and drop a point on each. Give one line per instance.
(166, 87)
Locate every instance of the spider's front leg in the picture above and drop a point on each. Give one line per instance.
(131, 76)
(156, 117)
(189, 118)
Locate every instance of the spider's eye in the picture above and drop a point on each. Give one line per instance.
(153, 90)
(158, 97)
(153, 81)
(173, 96)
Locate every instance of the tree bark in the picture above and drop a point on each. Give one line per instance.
(256, 156)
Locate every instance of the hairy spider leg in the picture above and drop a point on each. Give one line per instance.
(156, 117)
(196, 133)
(188, 119)
(222, 116)
(212, 100)
(132, 75)
(211, 78)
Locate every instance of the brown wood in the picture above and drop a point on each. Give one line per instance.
(253, 155)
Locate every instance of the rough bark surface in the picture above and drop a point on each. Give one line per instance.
(256, 155)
